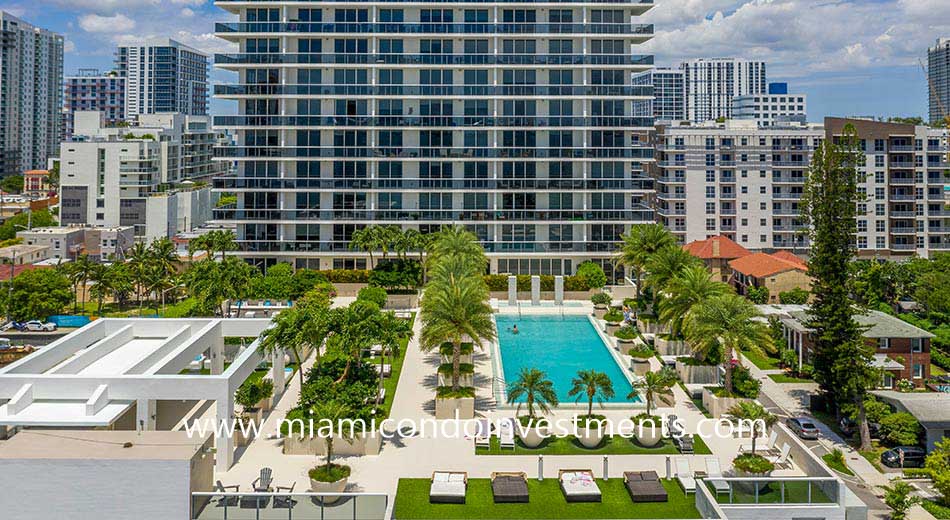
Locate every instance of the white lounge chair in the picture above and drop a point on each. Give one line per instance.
(714, 475)
(448, 487)
(385, 370)
(763, 445)
(506, 433)
(685, 476)
(578, 485)
(483, 434)
(782, 458)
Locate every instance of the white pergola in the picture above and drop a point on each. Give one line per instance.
(92, 376)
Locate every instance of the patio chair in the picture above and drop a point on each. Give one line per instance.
(578, 485)
(286, 502)
(782, 458)
(714, 475)
(227, 501)
(685, 476)
(483, 434)
(506, 434)
(448, 487)
(509, 487)
(263, 482)
(766, 446)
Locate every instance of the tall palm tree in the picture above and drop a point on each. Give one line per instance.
(82, 270)
(593, 385)
(665, 264)
(294, 328)
(692, 285)
(727, 322)
(365, 240)
(222, 240)
(756, 414)
(164, 255)
(454, 309)
(655, 386)
(332, 413)
(638, 245)
(536, 388)
(456, 240)
(137, 258)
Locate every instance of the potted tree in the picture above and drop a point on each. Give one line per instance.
(654, 386)
(537, 390)
(626, 334)
(614, 318)
(601, 302)
(330, 477)
(249, 395)
(640, 359)
(752, 465)
(266, 387)
(592, 385)
(754, 413)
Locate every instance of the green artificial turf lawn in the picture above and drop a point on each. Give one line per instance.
(546, 501)
(615, 445)
(836, 465)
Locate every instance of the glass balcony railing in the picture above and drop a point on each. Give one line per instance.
(777, 491)
(425, 152)
(626, 29)
(288, 506)
(625, 2)
(487, 91)
(432, 59)
(303, 183)
(400, 121)
(434, 215)
(567, 246)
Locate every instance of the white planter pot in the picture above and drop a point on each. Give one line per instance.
(640, 366)
(532, 437)
(752, 487)
(590, 438)
(446, 408)
(599, 311)
(649, 436)
(612, 325)
(328, 487)
(464, 379)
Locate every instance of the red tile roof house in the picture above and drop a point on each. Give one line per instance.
(716, 253)
(779, 272)
(901, 349)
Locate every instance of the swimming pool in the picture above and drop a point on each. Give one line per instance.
(559, 346)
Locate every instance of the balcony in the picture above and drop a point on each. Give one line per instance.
(787, 196)
(433, 215)
(902, 180)
(365, 184)
(903, 230)
(400, 121)
(228, 29)
(788, 179)
(423, 152)
(288, 506)
(436, 91)
(229, 60)
(786, 211)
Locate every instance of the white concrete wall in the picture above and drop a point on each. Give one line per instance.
(95, 489)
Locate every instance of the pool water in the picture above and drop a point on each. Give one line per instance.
(559, 346)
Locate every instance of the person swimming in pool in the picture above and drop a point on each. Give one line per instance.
(514, 329)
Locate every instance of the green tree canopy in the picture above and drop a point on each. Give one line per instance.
(37, 294)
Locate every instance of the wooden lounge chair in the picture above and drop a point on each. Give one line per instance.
(263, 482)
(644, 486)
(285, 502)
(714, 475)
(227, 501)
(578, 485)
(509, 487)
(448, 487)
(685, 476)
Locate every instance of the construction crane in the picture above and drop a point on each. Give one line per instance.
(946, 121)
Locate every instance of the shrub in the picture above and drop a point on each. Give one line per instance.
(335, 473)
(496, 282)
(346, 275)
(626, 332)
(372, 294)
(758, 295)
(640, 352)
(789, 358)
(576, 284)
(938, 462)
(252, 392)
(396, 274)
(613, 316)
(601, 298)
(904, 385)
(750, 463)
(593, 273)
(743, 384)
(796, 296)
(899, 497)
(900, 428)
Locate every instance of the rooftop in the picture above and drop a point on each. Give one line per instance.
(759, 265)
(876, 324)
(101, 445)
(932, 409)
(716, 247)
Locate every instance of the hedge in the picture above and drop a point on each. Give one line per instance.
(347, 275)
(499, 282)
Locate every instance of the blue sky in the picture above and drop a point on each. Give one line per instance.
(851, 57)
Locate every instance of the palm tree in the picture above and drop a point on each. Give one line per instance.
(199, 243)
(303, 324)
(536, 388)
(456, 240)
(365, 240)
(137, 257)
(83, 269)
(454, 308)
(655, 386)
(593, 385)
(164, 255)
(727, 322)
(754, 413)
(638, 245)
(692, 285)
(665, 264)
(332, 413)
(222, 240)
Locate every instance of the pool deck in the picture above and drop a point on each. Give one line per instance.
(416, 457)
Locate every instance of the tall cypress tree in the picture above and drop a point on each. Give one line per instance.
(842, 360)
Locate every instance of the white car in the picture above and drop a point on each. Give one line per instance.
(39, 326)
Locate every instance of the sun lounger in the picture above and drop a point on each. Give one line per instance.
(644, 486)
(782, 458)
(763, 445)
(483, 434)
(385, 370)
(506, 433)
(684, 444)
(714, 475)
(509, 487)
(578, 485)
(448, 487)
(685, 476)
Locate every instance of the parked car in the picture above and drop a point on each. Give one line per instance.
(802, 427)
(39, 326)
(850, 428)
(914, 457)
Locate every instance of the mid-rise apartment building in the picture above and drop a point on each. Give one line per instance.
(163, 75)
(154, 175)
(938, 74)
(745, 182)
(31, 95)
(775, 107)
(91, 90)
(669, 94)
(513, 119)
(711, 85)
(735, 179)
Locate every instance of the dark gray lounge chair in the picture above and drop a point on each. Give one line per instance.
(645, 486)
(509, 487)
(227, 501)
(285, 502)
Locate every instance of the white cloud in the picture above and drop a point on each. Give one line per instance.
(187, 12)
(106, 24)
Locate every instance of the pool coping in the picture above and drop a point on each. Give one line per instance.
(498, 374)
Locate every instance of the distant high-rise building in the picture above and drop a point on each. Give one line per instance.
(938, 63)
(669, 95)
(776, 107)
(164, 76)
(711, 85)
(31, 95)
(91, 90)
